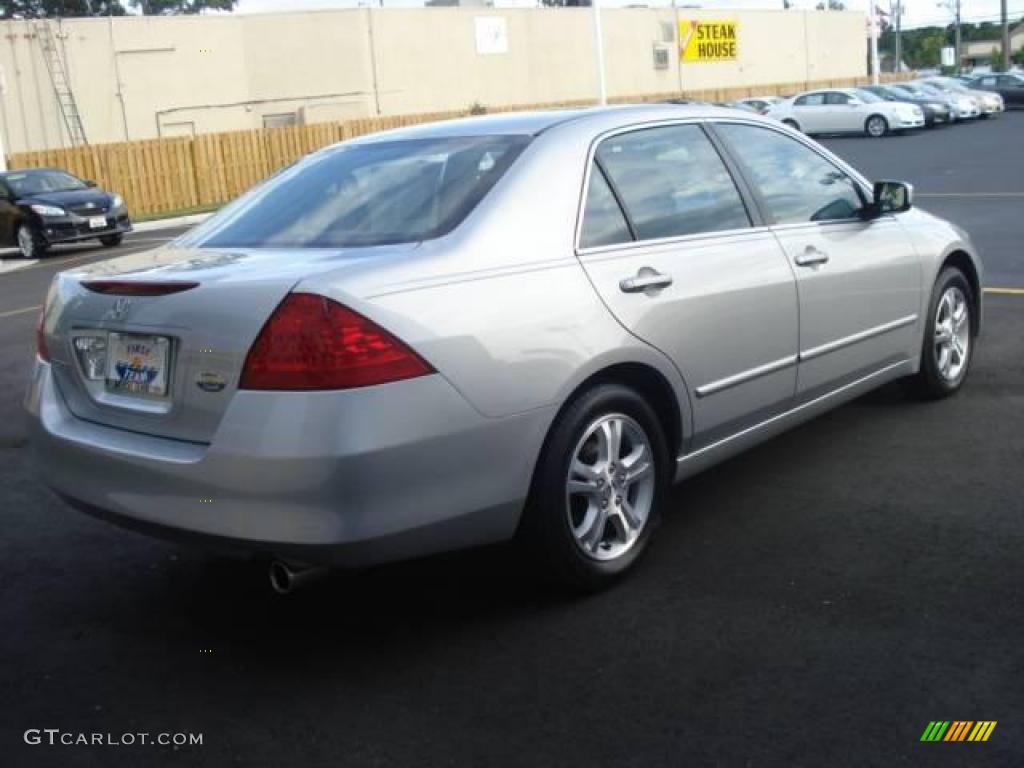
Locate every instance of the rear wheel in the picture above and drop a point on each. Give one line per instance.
(598, 488)
(112, 241)
(948, 340)
(792, 124)
(30, 242)
(876, 126)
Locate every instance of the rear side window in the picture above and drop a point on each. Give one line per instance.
(603, 221)
(366, 194)
(795, 182)
(810, 100)
(672, 182)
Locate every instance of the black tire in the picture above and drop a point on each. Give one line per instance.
(31, 244)
(792, 124)
(930, 383)
(876, 120)
(112, 241)
(546, 529)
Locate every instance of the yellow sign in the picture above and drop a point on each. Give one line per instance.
(708, 40)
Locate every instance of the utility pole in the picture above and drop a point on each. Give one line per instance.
(899, 40)
(602, 88)
(1006, 36)
(873, 31)
(956, 43)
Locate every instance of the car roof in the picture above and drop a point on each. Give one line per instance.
(535, 123)
(25, 171)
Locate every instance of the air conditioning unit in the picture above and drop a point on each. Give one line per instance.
(661, 56)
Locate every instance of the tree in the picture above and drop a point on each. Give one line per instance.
(564, 3)
(38, 9)
(929, 51)
(833, 5)
(175, 7)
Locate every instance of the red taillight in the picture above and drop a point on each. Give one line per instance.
(138, 287)
(41, 347)
(311, 342)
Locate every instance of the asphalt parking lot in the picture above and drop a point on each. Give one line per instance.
(815, 602)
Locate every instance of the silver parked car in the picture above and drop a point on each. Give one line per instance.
(462, 332)
(846, 110)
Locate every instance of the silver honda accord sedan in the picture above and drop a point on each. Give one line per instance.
(518, 326)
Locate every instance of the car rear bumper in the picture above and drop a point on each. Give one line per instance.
(348, 478)
(67, 230)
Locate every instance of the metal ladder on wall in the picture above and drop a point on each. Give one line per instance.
(61, 84)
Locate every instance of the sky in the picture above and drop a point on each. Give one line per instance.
(916, 12)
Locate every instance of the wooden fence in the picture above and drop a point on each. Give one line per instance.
(158, 176)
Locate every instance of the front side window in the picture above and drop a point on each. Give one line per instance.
(672, 182)
(365, 194)
(796, 183)
(834, 98)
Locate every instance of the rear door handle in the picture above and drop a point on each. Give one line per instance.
(644, 279)
(811, 257)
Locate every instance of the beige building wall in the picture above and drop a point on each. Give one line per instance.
(144, 77)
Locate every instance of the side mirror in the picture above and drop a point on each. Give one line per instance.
(891, 197)
(90, 183)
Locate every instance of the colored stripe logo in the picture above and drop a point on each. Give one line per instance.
(958, 730)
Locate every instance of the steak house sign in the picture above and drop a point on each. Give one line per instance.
(708, 40)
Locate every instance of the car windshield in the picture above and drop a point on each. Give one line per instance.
(41, 182)
(366, 194)
(868, 97)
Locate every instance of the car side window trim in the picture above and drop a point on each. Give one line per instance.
(859, 182)
(614, 188)
(757, 221)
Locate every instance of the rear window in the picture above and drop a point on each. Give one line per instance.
(368, 194)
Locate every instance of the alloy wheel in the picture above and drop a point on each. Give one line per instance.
(952, 334)
(877, 126)
(610, 486)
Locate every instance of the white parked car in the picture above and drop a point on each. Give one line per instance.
(761, 104)
(846, 110)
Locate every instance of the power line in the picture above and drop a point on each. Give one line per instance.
(946, 21)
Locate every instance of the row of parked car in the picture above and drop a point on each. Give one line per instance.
(878, 110)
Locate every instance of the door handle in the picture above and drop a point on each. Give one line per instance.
(811, 257)
(645, 278)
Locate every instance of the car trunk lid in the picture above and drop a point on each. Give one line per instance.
(177, 325)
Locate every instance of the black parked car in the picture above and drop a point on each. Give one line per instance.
(935, 111)
(1008, 85)
(43, 206)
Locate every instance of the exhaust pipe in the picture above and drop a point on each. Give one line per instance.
(287, 577)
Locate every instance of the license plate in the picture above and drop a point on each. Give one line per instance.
(97, 222)
(137, 364)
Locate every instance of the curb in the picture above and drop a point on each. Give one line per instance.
(178, 221)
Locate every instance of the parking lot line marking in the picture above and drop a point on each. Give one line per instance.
(969, 194)
(21, 311)
(1005, 291)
